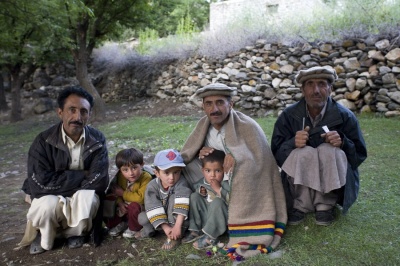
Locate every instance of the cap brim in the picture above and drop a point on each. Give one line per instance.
(167, 166)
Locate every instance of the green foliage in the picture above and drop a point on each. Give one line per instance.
(30, 32)
(147, 38)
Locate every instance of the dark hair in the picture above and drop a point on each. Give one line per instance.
(128, 157)
(77, 90)
(215, 156)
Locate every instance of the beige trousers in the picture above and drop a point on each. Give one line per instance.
(313, 174)
(58, 216)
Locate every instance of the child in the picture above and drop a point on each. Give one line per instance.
(129, 186)
(209, 203)
(166, 200)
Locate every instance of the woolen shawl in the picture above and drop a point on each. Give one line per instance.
(257, 207)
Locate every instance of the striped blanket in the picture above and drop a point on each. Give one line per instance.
(257, 207)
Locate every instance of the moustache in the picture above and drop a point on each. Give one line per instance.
(77, 123)
(216, 113)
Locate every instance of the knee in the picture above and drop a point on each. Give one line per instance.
(142, 219)
(134, 207)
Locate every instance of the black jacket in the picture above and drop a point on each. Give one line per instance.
(49, 160)
(337, 118)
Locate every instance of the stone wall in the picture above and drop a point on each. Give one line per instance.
(368, 70)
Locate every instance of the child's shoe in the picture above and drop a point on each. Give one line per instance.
(129, 233)
(116, 231)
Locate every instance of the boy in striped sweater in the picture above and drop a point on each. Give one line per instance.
(166, 200)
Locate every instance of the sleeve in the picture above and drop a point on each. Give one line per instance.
(182, 195)
(225, 189)
(96, 167)
(154, 208)
(353, 142)
(47, 174)
(283, 140)
(136, 194)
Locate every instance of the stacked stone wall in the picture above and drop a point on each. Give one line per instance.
(369, 76)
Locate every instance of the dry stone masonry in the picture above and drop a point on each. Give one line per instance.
(368, 70)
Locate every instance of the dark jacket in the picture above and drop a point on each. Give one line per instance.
(336, 118)
(49, 160)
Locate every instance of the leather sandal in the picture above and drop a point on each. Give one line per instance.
(35, 247)
(75, 241)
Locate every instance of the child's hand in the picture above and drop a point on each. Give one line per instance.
(167, 229)
(117, 190)
(215, 185)
(176, 233)
(122, 208)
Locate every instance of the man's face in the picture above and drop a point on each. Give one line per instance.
(316, 93)
(217, 108)
(74, 115)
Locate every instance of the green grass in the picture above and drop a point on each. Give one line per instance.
(367, 235)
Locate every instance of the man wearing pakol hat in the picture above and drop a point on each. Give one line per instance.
(257, 209)
(319, 145)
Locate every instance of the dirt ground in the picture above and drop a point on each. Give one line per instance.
(13, 208)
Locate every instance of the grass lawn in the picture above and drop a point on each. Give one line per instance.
(367, 235)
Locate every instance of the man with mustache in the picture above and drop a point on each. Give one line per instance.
(319, 145)
(67, 172)
(257, 210)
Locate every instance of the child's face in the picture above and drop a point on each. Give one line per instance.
(213, 170)
(169, 177)
(131, 172)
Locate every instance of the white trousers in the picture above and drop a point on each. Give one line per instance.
(60, 216)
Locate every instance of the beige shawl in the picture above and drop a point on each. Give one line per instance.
(257, 207)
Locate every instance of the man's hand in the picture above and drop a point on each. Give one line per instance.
(301, 137)
(333, 138)
(205, 151)
(229, 163)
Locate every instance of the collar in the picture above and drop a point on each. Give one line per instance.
(65, 137)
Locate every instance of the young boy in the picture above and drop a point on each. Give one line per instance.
(209, 203)
(129, 186)
(166, 200)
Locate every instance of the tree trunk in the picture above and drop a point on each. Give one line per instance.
(81, 57)
(18, 78)
(3, 102)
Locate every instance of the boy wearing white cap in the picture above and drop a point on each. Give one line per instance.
(166, 200)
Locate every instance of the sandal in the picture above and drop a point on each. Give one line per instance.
(170, 244)
(142, 235)
(193, 236)
(204, 242)
(75, 241)
(35, 247)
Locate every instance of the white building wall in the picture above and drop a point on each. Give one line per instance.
(223, 13)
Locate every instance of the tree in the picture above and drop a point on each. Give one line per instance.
(29, 36)
(92, 21)
(3, 102)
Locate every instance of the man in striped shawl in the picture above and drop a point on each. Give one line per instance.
(257, 208)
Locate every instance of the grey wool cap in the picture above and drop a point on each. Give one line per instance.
(316, 73)
(215, 89)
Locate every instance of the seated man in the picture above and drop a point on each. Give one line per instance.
(67, 168)
(319, 145)
(257, 208)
